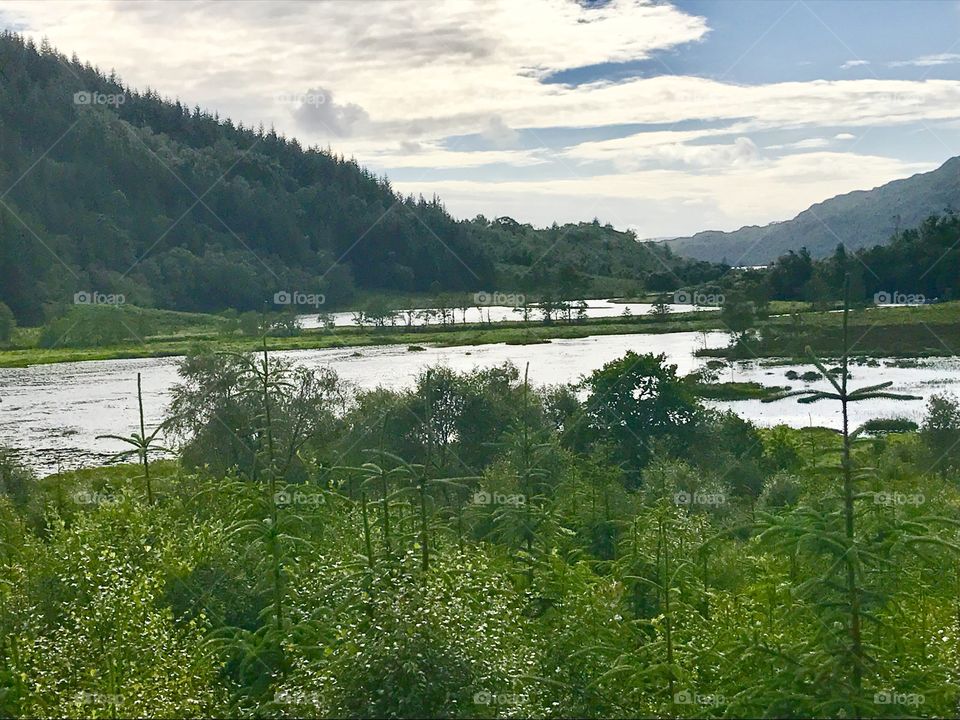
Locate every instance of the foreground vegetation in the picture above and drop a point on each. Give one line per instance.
(477, 547)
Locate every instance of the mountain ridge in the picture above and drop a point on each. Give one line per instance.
(858, 219)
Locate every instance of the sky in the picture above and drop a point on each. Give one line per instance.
(665, 118)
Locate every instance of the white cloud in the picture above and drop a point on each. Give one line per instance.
(929, 60)
(659, 201)
(844, 136)
(421, 67)
(854, 63)
(421, 71)
(652, 149)
(316, 111)
(432, 156)
(805, 144)
(498, 134)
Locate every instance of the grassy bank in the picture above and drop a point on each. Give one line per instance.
(736, 390)
(906, 332)
(215, 333)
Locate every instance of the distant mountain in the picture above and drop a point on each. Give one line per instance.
(858, 219)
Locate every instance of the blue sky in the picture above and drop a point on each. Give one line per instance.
(665, 118)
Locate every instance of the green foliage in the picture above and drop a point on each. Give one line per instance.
(297, 209)
(636, 400)
(474, 547)
(95, 326)
(15, 479)
(780, 491)
(941, 433)
(781, 450)
(739, 315)
(885, 426)
(846, 593)
(914, 264)
(406, 644)
(101, 643)
(141, 444)
(733, 390)
(220, 411)
(8, 323)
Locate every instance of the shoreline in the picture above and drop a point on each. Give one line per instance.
(888, 332)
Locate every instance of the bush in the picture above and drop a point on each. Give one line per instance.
(412, 645)
(95, 326)
(782, 490)
(15, 479)
(98, 642)
(885, 426)
(941, 433)
(7, 323)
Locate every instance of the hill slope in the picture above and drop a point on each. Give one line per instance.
(858, 219)
(122, 192)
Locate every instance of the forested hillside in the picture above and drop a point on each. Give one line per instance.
(918, 265)
(117, 190)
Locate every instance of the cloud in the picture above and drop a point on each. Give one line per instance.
(498, 134)
(10, 23)
(458, 61)
(844, 136)
(929, 60)
(419, 72)
(315, 110)
(658, 201)
(432, 156)
(805, 144)
(408, 147)
(656, 149)
(854, 63)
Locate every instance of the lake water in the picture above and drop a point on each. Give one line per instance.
(53, 413)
